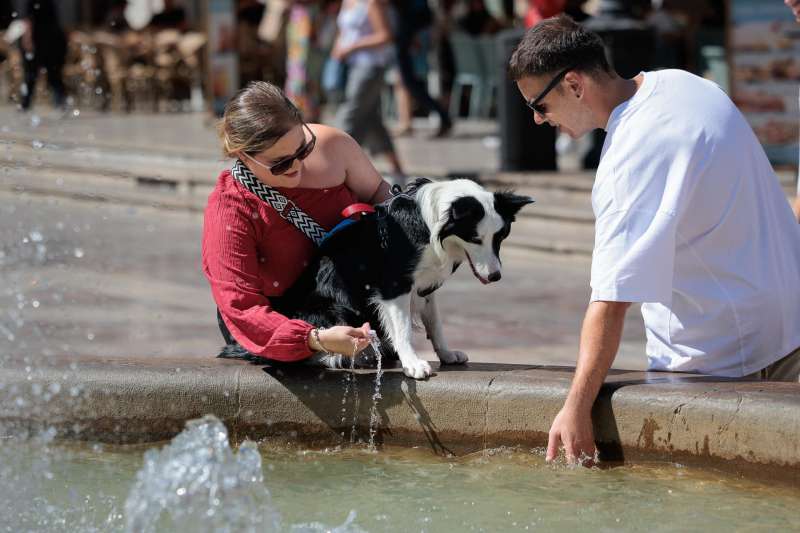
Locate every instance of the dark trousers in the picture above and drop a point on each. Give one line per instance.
(54, 65)
(416, 86)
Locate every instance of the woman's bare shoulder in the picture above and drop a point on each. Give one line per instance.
(333, 139)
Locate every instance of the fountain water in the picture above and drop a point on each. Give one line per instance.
(374, 415)
(197, 483)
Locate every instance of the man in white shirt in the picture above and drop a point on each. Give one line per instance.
(691, 221)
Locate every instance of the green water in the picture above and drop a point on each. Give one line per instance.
(84, 488)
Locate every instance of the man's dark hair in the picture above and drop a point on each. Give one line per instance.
(555, 44)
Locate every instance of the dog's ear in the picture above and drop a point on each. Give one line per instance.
(463, 216)
(507, 204)
(466, 208)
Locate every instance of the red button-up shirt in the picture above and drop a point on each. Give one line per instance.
(251, 254)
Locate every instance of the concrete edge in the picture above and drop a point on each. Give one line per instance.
(751, 428)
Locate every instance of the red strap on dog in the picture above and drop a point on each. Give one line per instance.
(357, 209)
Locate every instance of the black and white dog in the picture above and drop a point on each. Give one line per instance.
(385, 268)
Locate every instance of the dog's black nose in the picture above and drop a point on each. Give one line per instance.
(495, 276)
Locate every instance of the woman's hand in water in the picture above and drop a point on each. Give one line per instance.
(340, 339)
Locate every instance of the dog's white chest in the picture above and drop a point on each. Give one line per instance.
(431, 272)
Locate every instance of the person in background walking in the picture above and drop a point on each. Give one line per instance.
(794, 5)
(364, 44)
(303, 58)
(413, 17)
(44, 45)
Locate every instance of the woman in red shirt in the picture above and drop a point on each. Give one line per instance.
(251, 253)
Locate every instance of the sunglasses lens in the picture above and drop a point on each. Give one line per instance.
(282, 167)
(307, 149)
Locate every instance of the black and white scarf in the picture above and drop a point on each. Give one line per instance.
(282, 205)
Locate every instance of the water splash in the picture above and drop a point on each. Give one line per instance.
(356, 399)
(349, 381)
(197, 483)
(374, 415)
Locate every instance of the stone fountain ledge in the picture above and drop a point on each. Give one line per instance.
(749, 427)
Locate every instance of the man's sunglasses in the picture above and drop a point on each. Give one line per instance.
(286, 163)
(535, 103)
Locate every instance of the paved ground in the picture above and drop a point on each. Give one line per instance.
(87, 278)
(472, 148)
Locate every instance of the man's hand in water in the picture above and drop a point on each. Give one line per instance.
(573, 429)
(600, 337)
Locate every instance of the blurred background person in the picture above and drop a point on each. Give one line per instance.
(44, 46)
(173, 16)
(794, 5)
(364, 43)
(539, 10)
(414, 20)
(115, 20)
(304, 58)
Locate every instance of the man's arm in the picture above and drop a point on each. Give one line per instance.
(796, 204)
(600, 338)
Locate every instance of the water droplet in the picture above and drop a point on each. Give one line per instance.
(275, 283)
(76, 113)
(35, 303)
(78, 252)
(54, 387)
(37, 144)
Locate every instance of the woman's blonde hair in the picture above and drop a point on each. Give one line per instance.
(256, 118)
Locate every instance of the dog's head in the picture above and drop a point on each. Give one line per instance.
(469, 223)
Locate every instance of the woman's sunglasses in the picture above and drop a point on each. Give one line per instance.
(282, 166)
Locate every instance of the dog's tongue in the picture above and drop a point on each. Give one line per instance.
(482, 279)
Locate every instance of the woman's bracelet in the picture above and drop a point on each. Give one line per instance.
(315, 334)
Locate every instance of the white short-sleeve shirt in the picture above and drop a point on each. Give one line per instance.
(693, 223)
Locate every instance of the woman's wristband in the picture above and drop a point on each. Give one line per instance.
(315, 336)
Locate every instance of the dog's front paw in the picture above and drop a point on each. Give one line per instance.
(452, 357)
(417, 369)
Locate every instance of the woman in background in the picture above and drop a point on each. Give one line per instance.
(364, 43)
